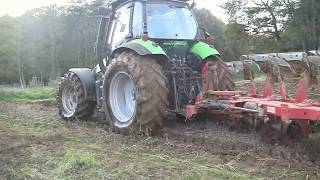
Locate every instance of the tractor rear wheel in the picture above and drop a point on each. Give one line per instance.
(135, 94)
(71, 99)
(221, 76)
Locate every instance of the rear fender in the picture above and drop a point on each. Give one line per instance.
(88, 82)
(204, 50)
(141, 47)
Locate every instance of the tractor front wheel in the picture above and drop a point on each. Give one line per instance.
(135, 94)
(71, 99)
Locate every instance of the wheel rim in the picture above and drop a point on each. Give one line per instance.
(122, 97)
(69, 101)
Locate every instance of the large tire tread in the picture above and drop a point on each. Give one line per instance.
(84, 108)
(152, 98)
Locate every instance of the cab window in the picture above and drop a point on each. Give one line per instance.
(137, 22)
(120, 25)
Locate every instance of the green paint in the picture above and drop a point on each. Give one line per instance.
(204, 50)
(153, 47)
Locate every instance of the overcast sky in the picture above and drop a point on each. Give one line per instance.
(18, 7)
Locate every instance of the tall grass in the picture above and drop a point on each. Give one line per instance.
(9, 94)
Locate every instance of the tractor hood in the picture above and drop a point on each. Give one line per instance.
(180, 49)
(172, 49)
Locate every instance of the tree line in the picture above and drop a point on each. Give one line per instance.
(264, 26)
(47, 41)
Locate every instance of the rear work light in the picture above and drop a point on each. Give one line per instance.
(145, 36)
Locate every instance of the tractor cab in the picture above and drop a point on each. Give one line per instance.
(167, 23)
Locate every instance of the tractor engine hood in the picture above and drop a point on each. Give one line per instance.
(180, 49)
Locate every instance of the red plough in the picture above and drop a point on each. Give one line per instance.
(263, 108)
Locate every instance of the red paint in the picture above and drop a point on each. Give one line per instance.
(267, 90)
(300, 109)
(145, 36)
(191, 111)
(283, 92)
(253, 89)
(302, 90)
(307, 110)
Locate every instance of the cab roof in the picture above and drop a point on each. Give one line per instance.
(117, 3)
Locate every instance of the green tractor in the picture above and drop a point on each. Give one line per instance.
(152, 60)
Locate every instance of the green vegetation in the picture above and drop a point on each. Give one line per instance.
(265, 26)
(45, 42)
(36, 144)
(27, 94)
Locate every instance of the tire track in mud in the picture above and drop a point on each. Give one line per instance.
(216, 138)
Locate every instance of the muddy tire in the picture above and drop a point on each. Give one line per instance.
(135, 94)
(221, 76)
(71, 99)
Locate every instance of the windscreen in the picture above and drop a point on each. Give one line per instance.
(167, 21)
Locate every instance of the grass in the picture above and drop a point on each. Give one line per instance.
(10, 94)
(28, 94)
(36, 144)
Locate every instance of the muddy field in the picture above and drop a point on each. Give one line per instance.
(35, 143)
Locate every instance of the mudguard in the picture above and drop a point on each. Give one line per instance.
(88, 82)
(204, 50)
(142, 47)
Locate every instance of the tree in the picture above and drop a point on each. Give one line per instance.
(236, 37)
(11, 64)
(237, 41)
(265, 23)
(266, 17)
(235, 10)
(212, 24)
(306, 24)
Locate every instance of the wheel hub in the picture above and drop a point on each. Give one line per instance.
(69, 100)
(122, 97)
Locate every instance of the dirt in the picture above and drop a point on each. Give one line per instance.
(218, 139)
(211, 134)
(222, 146)
(215, 144)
